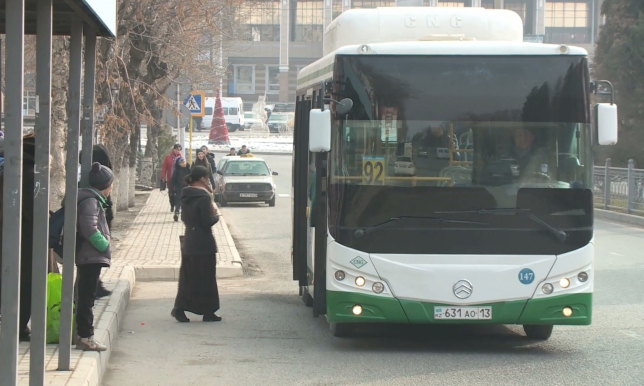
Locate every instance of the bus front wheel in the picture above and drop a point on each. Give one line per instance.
(340, 330)
(538, 332)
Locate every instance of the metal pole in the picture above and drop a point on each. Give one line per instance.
(180, 131)
(37, 350)
(607, 184)
(1, 98)
(88, 108)
(12, 192)
(71, 194)
(631, 186)
(190, 156)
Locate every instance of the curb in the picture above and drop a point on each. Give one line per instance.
(92, 365)
(629, 219)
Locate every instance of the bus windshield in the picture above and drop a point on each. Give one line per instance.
(454, 137)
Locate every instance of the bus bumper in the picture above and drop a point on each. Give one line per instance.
(391, 310)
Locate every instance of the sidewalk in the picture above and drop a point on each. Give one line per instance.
(152, 244)
(151, 252)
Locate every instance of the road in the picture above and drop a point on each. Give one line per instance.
(268, 337)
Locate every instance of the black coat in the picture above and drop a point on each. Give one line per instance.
(211, 161)
(179, 179)
(198, 216)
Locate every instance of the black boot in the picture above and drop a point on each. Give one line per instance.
(211, 318)
(179, 315)
(176, 217)
(101, 291)
(25, 335)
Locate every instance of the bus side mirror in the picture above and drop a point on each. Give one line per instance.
(319, 131)
(607, 123)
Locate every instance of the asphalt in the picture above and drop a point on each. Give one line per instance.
(268, 337)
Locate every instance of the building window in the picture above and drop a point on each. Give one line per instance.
(309, 21)
(272, 80)
(567, 22)
(244, 79)
(373, 3)
(336, 7)
(29, 102)
(487, 4)
(260, 21)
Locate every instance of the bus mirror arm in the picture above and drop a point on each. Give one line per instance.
(342, 107)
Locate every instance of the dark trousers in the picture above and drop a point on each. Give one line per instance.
(87, 279)
(171, 198)
(177, 203)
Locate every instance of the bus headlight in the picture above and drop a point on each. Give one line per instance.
(360, 281)
(357, 310)
(378, 287)
(547, 288)
(582, 277)
(567, 312)
(564, 283)
(339, 275)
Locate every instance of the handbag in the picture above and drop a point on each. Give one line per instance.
(163, 185)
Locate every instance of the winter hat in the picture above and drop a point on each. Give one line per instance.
(100, 177)
(179, 161)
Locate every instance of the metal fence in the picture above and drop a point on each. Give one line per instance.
(619, 189)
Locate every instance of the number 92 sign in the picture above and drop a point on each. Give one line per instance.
(373, 171)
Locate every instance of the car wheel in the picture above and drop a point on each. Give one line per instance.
(271, 202)
(222, 201)
(538, 332)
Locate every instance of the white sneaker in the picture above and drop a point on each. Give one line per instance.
(89, 344)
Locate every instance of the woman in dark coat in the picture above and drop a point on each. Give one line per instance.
(181, 171)
(198, 291)
(202, 160)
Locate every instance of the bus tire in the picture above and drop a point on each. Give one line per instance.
(306, 297)
(231, 128)
(538, 332)
(340, 330)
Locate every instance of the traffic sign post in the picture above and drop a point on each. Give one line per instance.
(195, 102)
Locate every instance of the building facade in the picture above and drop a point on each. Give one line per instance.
(282, 36)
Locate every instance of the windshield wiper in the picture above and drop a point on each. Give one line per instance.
(362, 232)
(560, 235)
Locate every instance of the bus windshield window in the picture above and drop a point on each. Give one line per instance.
(486, 129)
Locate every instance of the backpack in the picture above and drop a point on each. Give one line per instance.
(56, 225)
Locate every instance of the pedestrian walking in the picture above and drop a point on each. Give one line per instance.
(244, 150)
(198, 292)
(211, 159)
(202, 160)
(94, 251)
(181, 170)
(167, 169)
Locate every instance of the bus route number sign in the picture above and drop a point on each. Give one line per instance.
(373, 171)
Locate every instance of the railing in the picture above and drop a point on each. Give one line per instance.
(619, 189)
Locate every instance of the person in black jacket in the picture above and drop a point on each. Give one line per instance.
(211, 159)
(198, 292)
(182, 169)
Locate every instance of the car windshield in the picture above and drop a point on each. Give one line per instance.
(278, 118)
(246, 168)
(404, 159)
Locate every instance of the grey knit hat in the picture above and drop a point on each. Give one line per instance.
(100, 177)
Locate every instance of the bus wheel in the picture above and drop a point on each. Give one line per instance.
(538, 332)
(340, 330)
(306, 297)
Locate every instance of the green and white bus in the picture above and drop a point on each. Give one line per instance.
(442, 172)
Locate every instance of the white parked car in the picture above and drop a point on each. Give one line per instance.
(442, 153)
(404, 167)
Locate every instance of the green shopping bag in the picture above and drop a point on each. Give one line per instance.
(54, 299)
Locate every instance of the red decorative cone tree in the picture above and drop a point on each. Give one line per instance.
(218, 128)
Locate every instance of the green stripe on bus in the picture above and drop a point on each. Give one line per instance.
(316, 74)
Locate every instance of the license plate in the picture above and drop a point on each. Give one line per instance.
(247, 194)
(463, 313)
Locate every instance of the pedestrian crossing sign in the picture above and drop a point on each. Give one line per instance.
(195, 103)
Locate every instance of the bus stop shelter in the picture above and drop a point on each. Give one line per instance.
(79, 19)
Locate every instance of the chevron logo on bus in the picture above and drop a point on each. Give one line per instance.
(358, 262)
